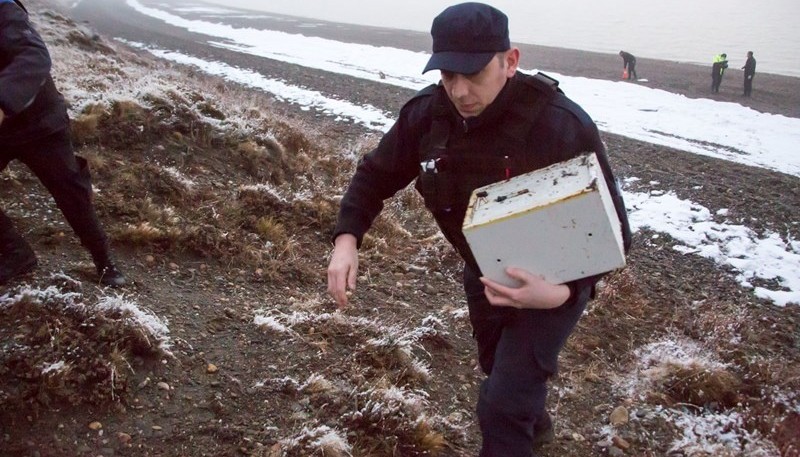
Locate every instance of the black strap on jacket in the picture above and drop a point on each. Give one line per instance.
(446, 181)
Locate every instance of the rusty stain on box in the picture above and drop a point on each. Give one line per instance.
(558, 222)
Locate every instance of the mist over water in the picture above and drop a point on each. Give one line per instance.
(692, 31)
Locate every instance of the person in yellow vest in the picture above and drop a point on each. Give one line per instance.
(717, 70)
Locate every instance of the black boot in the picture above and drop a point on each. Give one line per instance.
(16, 259)
(108, 272)
(111, 276)
(543, 431)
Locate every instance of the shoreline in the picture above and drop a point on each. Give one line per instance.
(772, 93)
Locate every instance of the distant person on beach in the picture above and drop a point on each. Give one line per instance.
(749, 72)
(717, 70)
(483, 123)
(629, 64)
(34, 129)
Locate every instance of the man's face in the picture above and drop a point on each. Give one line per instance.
(471, 94)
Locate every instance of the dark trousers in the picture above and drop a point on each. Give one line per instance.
(518, 351)
(67, 178)
(748, 85)
(716, 81)
(632, 69)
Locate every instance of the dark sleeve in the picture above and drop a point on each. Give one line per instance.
(381, 173)
(613, 185)
(583, 289)
(25, 60)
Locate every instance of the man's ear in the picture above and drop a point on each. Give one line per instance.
(512, 61)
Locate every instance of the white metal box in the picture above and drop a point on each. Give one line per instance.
(558, 222)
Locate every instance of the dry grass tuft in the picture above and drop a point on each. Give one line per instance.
(265, 160)
(127, 111)
(51, 363)
(84, 128)
(697, 385)
(292, 137)
(270, 229)
(429, 441)
(146, 234)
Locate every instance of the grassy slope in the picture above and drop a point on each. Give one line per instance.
(220, 202)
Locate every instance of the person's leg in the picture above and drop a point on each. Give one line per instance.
(487, 321)
(526, 346)
(632, 73)
(67, 178)
(16, 255)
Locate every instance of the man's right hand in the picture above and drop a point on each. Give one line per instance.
(343, 268)
(2, 116)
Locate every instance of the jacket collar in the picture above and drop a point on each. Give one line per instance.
(493, 112)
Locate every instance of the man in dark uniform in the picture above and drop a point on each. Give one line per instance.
(749, 73)
(629, 63)
(34, 129)
(484, 122)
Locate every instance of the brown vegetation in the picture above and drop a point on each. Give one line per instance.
(224, 232)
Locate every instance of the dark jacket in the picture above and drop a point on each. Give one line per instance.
(32, 105)
(562, 131)
(627, 59)
(750, 66)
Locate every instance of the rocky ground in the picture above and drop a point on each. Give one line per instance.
(220, 202)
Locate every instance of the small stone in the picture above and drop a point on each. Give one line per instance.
(173, 266)
(163, 385)
(149, 259)
(614, 451)
(577, 437)
(95, 425)
(157, 428)
(619, 416)
(621, 443)
(123, 437)
(211, 368)
(429, 289)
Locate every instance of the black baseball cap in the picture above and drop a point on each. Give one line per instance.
(466, 37)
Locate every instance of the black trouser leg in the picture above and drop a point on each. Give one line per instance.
(8, 236)
(67, 179)
(518, 350)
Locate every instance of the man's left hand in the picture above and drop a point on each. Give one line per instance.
(532, 293)
(2, 116)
